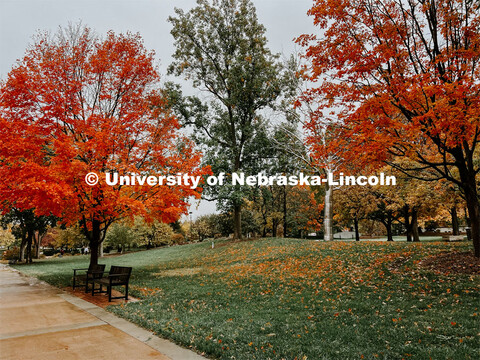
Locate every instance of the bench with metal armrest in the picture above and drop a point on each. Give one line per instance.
(91, 273)
(117, 276)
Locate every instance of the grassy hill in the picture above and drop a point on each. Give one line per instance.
(299, 299)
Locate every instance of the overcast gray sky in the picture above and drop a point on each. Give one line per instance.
(21, 19)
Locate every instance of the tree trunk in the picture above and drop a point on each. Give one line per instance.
(327, 221)
(36, 243)
(237, 221)
(388, 225)
(474, 216)
(474, 212)
(264, 224)
(355, 222)
(414, 225)
(455, 227)
(23, 245)
(95, 242)
(285, 211)
(93, 253)
(408, 224)
(469, 187)
(28, 248)
(274, 228)
(467, 219)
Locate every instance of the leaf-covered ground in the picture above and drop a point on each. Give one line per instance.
(298, 299)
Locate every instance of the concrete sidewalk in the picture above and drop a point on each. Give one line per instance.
(38, 321)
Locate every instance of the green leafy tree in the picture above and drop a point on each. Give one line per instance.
(26, 226)
(221, 47)
(6, 237)
(203, 227)
(70, 238)
(152, 234)
(120, 236)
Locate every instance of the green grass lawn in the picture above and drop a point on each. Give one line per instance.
(298, 299)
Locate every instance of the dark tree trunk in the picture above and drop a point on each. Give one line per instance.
(414, 225)
(237, 208)
(274, 228)
(94, 249)
(237, 221)
(408, 225)
(285, 211)
(388, 225)
(355, 223)
(95, 240)
(28, 250)
(455, 227)
(37, 241)
(469, 187)
(264, 224)
(474, 216)
(475, 219)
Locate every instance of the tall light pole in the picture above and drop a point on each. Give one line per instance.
(191, 223)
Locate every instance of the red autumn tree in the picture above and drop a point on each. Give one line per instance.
(305, 209)
(401, 78)
(77, 104)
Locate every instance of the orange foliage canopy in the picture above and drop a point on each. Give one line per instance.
(77, 104)
(399, 78)
(305, 209)
(399, 75)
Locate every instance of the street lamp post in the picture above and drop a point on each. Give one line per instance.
(191, 224)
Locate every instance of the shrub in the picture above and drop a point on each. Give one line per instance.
(178, 239)
(11, 254)
(50, 252)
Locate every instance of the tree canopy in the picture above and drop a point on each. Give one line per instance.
(77, 104)
(221, 47)
(400, 79)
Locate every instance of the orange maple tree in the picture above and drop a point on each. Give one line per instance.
(400, 78)
(77, 104)
(305, 209)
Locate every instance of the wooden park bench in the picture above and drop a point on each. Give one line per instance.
(87, 275)
(118, 276)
